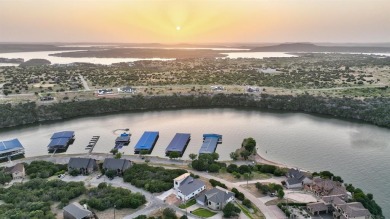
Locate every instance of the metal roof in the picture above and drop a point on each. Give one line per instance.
(147, 140)
(179, 142)
(209, 143)
(190, 185)
(115, 164)
(77, 211)
(58, 142)
(10, 145)
(64, 134)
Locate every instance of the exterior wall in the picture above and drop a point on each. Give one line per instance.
(293, 186)
(186, 198)
(68, 216)
(18, 175)
(218, 206)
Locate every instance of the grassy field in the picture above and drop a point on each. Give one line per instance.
(201, 212)
(187, 204)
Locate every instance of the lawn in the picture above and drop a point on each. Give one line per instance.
(201, 212)
(188, 204)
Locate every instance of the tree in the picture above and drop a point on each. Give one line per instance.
(183, 217)
(248, 176)
(247, 203)
(110, 174)
(249, 144)
(144, 152)
(5, 177)
(174, 154)
(193, 156)
(245, 154)
(169, 213)
(118, 156)
(232, 168)
(215, 156)
(214, 168)
(280, 194)
(74, 172)
(234, 155)
(114, 151)
(230, 210)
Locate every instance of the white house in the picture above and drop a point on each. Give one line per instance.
(187, 187)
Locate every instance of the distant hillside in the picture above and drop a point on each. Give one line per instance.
(8, 47)
(309, 47)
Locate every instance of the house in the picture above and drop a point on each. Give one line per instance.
(76, 211)
(327, 187)
(84, 165)
(17, 171)
(215, 198)
(351, 210)
(187, 187)
(340, 208)
(296, 179)
(119, 165)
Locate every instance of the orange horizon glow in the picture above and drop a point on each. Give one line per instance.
(200, 21)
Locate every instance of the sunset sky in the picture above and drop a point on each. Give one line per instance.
(194, 21)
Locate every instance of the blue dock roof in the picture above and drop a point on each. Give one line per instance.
(179, 142)
(147, 141)
(10, 145)
(124, 137)
(64, 134)
(209, 143)
(61, 139)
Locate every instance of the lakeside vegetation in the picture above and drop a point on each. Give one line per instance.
(372, 110)
(33, 199)
(152, 179)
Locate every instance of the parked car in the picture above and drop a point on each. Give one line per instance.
(99, 176)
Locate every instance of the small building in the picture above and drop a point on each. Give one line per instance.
(11, 148)
(17, 171)
(178, 144)
(296, 179)
(76, 211)
(216, 198)
(84, 165)
(119, 165)
(187, 187)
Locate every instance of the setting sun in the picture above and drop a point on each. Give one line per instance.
(178, 28)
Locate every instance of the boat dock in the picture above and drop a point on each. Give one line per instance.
(92, 143)
(122, 140)
(179, 143)
(61, 141)
(210, 142)
(10, 149)
(146, 142)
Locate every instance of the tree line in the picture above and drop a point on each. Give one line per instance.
(372, 110)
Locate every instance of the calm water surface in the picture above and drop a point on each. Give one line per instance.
(360, 153)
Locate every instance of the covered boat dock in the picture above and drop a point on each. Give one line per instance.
(179, 143)
(61, 141)
(11, 148)
(146, 142)
(210, 142)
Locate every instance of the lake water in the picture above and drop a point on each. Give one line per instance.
(67, 60)
(359, 152)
